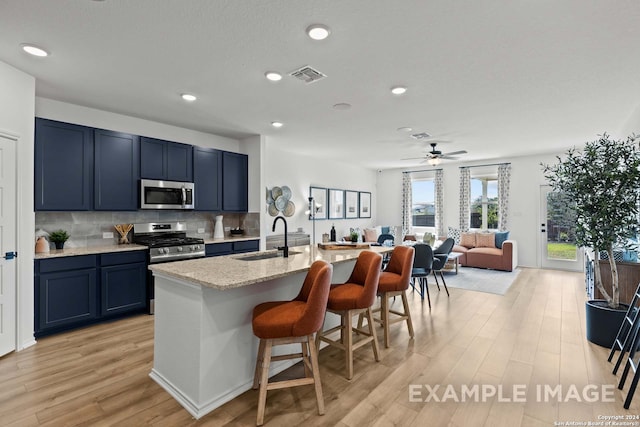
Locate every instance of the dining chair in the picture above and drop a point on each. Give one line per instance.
(422, 265)
(440, 257)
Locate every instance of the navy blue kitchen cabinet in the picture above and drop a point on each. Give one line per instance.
(65, 293)
(207, 178)
(165, 160)
(63, 166)
(228, 248)
(235, 181)
(76, 291)
(116, 171)
(123, 278)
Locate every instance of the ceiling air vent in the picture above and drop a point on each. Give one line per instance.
(420, 136)
(307, 74)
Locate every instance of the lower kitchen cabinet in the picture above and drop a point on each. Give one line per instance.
(227, 248)
(76, 291)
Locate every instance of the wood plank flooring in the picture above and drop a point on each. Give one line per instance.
(530, 338)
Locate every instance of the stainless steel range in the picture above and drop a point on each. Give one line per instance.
(168, 241)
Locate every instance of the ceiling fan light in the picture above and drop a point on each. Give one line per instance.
(434, 161)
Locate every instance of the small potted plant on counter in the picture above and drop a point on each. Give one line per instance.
(58, 237)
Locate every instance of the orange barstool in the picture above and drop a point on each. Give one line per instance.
(394, 281)
(354, 297)
(288, 322)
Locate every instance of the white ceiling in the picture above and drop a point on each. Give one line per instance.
(496, 78)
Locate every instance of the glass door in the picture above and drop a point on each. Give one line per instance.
(557, 232)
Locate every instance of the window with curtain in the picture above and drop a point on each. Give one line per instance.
(488, 196)
(484, 203)
(426, 201)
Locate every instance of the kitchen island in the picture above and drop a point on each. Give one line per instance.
(204, 347)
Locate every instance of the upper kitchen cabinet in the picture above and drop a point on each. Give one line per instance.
(116, 171)
(63, 166)
(207, 178)
(235, 181)
(165, 160)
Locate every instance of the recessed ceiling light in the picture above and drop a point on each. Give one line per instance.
(398, 90)
(273, 76)
(188, 97)
(342, 106)
(34, 50)
(318, 31)
(404, 129)
(277, 124)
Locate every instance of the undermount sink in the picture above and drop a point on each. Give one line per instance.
(264, 255)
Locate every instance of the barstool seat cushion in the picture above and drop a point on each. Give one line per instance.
(389, 282)
(344, 296)
(279, 319)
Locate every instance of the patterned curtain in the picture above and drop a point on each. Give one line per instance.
(504, 178)
(407, 204)
(465, 198)
(439, 204)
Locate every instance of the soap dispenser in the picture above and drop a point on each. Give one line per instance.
(333, 233)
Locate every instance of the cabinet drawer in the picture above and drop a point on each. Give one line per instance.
(246, 246)
(116, 258)
(217, 249)
(67, 263)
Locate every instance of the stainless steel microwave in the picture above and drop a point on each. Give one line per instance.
(166, 194)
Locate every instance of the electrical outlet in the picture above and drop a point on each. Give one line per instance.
(107, 235)
(200, 230)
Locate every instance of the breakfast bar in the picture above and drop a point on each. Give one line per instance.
(204, 348)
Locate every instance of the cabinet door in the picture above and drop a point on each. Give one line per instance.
(179, 162)
(66, 299)
(124, 288)
(117, 171)
(153, 158)
(63, 166)
(235, 182)
(246, 246)
(207, 178)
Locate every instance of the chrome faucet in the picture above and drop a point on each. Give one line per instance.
(285, 248)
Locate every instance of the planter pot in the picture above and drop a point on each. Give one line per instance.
(59, 245)
(603, 322)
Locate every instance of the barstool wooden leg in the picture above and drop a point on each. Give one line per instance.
(385, 318)
(316, 374)
(405, 304)
(347, 335)
(259, 359)
(373, 335)
(264, 379)
(305, 357)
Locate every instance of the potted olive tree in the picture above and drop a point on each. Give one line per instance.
(603, 179)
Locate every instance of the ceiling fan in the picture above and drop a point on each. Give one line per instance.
(434, 156)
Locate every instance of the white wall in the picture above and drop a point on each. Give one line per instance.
(524, 218)
(17, 94)
(71, 113)
(301, 172)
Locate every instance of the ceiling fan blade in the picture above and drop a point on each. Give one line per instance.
(447, 157)
(413, 158)
(455, 153)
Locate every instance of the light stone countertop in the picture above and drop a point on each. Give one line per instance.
(89, 250)
(230, 271)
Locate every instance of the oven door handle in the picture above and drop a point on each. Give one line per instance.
(184, 196)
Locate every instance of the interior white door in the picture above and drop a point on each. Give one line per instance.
(557, 248)
(8, 228)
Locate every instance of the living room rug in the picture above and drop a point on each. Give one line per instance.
(480, 280)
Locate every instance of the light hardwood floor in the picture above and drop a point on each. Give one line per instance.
(534, 335)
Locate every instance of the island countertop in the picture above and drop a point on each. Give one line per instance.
(231, 271)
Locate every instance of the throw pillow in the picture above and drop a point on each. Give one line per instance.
(384, 230)
(454, 233)
(501, 236)
(370, 235)
(468, 240)
(485, 240)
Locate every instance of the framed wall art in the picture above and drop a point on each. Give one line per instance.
(365, 204)
(319, 195)
(336, 204)
(351, 204)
